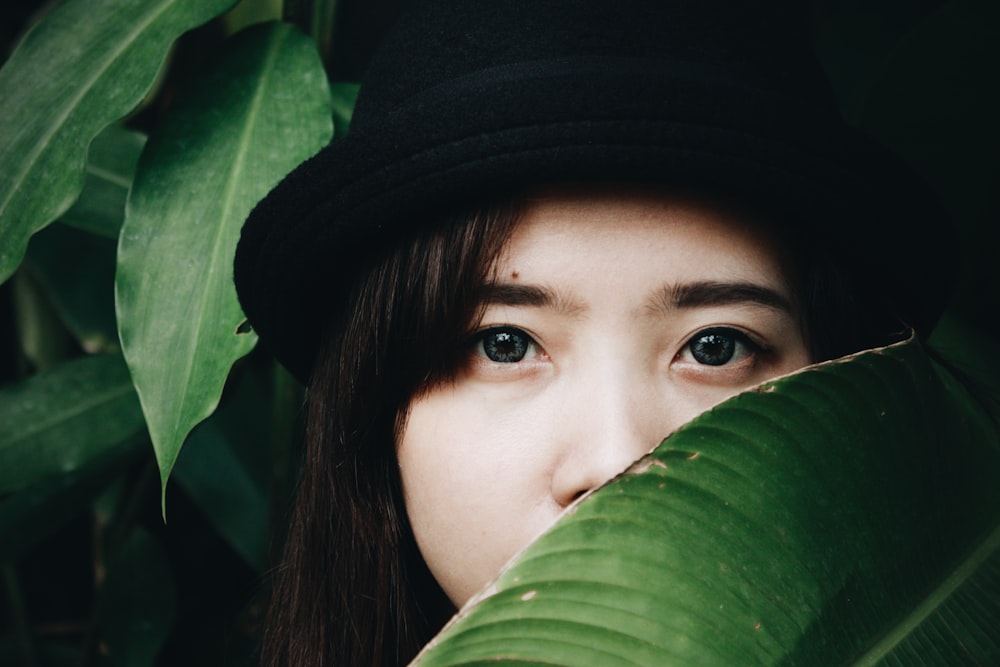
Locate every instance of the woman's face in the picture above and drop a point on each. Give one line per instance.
(614, 319)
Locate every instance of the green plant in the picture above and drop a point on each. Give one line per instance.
(126, 351)
(132, 145)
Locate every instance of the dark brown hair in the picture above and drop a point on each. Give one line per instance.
(353, 588)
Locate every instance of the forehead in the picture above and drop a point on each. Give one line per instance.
(573, 232)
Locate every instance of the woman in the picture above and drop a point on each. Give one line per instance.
(555, 232)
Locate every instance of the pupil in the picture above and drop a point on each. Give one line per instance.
(713, 349)
(505, 347)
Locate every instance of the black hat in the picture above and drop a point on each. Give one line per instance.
(470, 97)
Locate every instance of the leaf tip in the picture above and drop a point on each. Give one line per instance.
(163, 502)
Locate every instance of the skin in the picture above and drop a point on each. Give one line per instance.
(590, 351)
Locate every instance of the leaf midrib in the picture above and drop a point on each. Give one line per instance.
(228, 203)
(937, 597)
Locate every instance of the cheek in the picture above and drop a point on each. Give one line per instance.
(457, 439)
(451, 453)
(444, 465)
(473, 486)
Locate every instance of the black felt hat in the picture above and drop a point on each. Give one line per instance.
(470, 97)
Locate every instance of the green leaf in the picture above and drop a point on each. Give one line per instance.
(847, 514)
(248, 12)
(245, 123)
(965, 347)
(228, 465)
(111, 164)
(86, 64)
(74, 267)
(215, 478)
(58, 420)
(76, 271)
(345, 94)
(44, 341)
(33, 514)
(324, 20)
(137, 603)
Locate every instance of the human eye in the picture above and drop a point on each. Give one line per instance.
(719, 346)
(504, 345)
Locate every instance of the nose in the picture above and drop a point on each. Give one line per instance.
(605, 428)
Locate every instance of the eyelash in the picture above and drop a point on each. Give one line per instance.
(511, 345)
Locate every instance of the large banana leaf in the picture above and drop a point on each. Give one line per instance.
(263, 108)
(847, 514)
(86, 64)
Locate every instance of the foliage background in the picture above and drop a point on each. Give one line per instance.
(92, 574)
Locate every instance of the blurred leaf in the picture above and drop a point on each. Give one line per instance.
(42, 337)
(345, 94)
(316, 18)
(215, 478)
(248, 12)
(324, 20)
(33, 514)
(287, 412)
(108, 505)
(248, 121)
(227, 466)
(137, 605)
(76, 270)
(84, 65)
(111, 164)
(56, 421)
(847, 514)
(965, 346)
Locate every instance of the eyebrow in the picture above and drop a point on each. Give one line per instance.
(507, 294)
(670, 297)
(707, 293)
